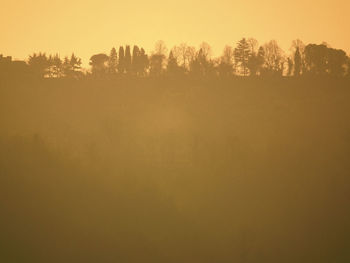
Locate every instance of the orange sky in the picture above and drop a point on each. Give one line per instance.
(90, 27)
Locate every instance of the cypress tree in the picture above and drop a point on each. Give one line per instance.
(113, 61)
(297, 62)
(136, 68)
(127, 59)
(121, 63)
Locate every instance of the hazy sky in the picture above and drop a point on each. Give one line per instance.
(89, 27)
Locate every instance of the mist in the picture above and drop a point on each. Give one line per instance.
(175, 170)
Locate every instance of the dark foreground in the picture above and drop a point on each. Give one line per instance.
(175, 171)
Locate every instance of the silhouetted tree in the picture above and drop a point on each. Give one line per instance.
(297, 62)
(190, 55)
(261, 60)
(206, 51)
(56, 66)
(98, 64)
(337, 61)
(121, 63)
(66, 67)
(225, 63)
(290, 66)
(184, 54)
(136, 64)
(135, 59)
(113, 62)
(75, 66)
(156, 64)
(255, 62)
(297, 44)
(39, 64)
(160, 48)
(157, 60)
(172, 67)
(242, 53)
(144, 62)
(127, 59)
(253, 44)
(322, 60)
(202, 64)
(228, 55)
(246, 58)
(196, 67)
(274, 58)
(316, 59)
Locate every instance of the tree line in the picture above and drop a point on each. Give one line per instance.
(245, 58)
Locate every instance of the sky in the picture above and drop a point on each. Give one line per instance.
(91, 27)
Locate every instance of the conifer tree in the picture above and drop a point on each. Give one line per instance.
(55, 66)
(242, 53)
(121, 63)
(113, 61)
(127, 59)
(297, 62)
(75, 66)
(172, 67)
(135, 63)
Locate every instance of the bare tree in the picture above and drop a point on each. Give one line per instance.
(253, 44)
(225, 62)
(184, 55)
(206, 50)
(160, 48)
(274, 58)
(228, 55)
